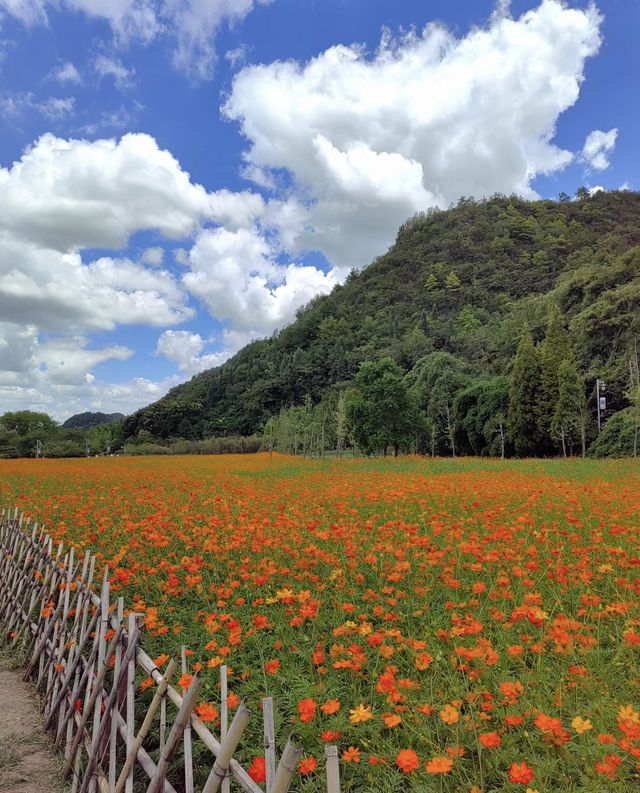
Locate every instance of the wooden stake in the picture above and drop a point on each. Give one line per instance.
(269, 741)
(333, 769)
(181, 721)
(188, 760)
(146, 726)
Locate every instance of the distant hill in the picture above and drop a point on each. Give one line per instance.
(462, 281)
(86, 420)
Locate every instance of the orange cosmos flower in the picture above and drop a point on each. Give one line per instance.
(306, 710)
(351, 755)
(330, 735)
(257, 770)
(207, 711)
(185, 681)
(407, 761)
(360, 713)
(608, 766)
(308, 765)
(330, 706)
(391, 719)
(449, 714)
(439, 765)
(520, 773)
(271, 667)
(490, 740)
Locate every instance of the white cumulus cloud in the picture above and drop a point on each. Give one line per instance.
(238, 277)
(186, 350)
(597, 148)
(371, 139)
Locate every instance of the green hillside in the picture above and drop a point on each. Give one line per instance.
(462, 282)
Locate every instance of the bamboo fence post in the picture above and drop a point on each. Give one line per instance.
(114, 725)
(104, 627)
(94, 703)
(332, 768)
(130, 702)
(221, 765)
(106, 718)
(269, 741)
(146, 726)
(287, 767)
(43, 641)
(184, 714)
(70, 670)
(163, 721)
(224, 715)
(186, 737)
(84, 682)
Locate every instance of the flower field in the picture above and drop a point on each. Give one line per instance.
(460, 625)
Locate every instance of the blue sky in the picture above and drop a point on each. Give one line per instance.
(179, 176)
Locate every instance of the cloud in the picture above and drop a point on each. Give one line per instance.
(66, 194)
(67, 361)
(56, 375)
(66, 73)
(30, 12)
(597, 147)
(66, 295)
(54, 108)
(236, 274)
(192, 24)
(370, 139)
(112, 67)
(153, 256)
(185, 349)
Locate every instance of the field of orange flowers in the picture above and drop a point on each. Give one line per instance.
(456, 625)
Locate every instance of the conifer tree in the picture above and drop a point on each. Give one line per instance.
(523, 397)
(452, 282)
(555, 349)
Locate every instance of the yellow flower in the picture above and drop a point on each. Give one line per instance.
(531, 790)
(627, 713)
(581, 725)
(449, 714)
(360, 713)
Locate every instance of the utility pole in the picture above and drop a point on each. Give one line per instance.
(87, 447)
(601, 400)
(38, 448)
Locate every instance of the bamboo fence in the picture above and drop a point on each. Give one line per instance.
(85, 656)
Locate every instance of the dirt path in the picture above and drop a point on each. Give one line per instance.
(26, 763)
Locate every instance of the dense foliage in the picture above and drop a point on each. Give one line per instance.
(454, 291)
(83, 420)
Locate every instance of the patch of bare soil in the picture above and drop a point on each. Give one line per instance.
(26, 762)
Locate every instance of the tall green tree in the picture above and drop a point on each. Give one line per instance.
(554, 350)
(436, 382)
(571, 417)
(482, 408)
(380, 410)
(523, 397)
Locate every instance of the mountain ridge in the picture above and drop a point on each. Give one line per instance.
(462, 281)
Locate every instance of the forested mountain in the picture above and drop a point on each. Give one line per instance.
(84, 420)
(455, 290)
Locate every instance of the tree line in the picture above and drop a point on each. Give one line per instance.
(543, 407)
